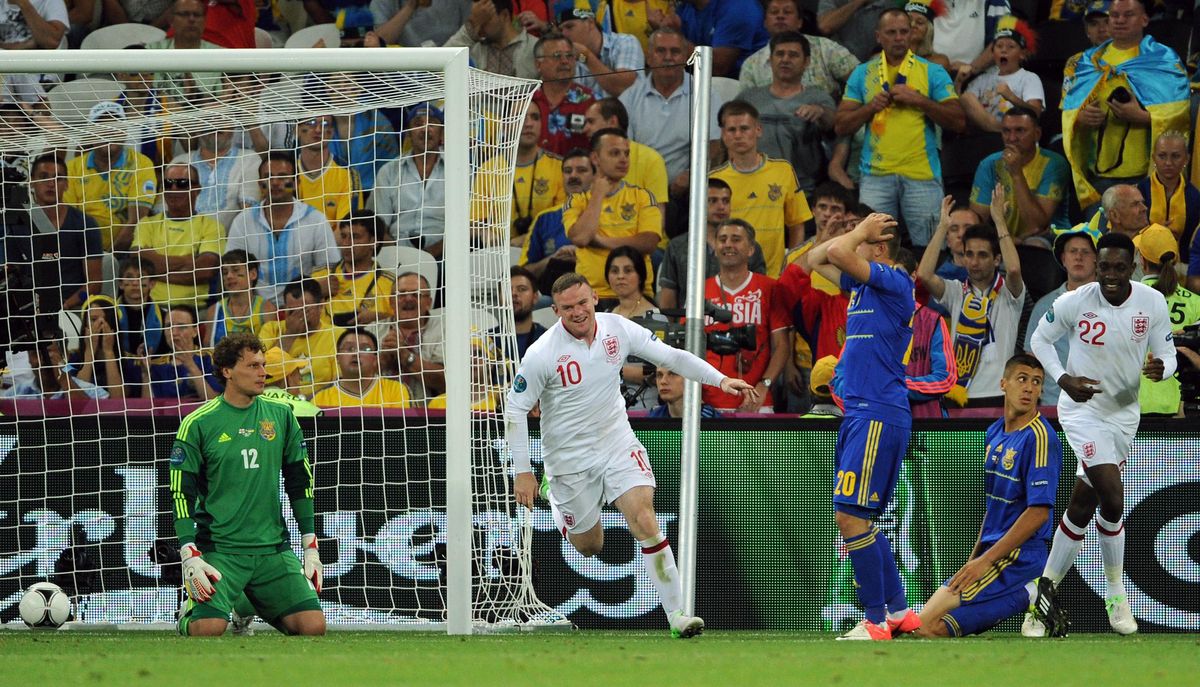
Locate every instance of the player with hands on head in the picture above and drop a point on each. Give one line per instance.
(1119, 331)
(226, 464)
(1021, 467)
(590, 453)
(873, 436)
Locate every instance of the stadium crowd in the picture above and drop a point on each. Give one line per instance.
(1004, 161)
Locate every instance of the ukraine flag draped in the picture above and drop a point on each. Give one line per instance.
(1158, 81)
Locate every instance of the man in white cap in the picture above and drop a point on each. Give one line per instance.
(110, 182)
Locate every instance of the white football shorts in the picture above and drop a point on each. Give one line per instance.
(581, 495)
(1098, 443)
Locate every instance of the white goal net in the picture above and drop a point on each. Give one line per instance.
(155, 202)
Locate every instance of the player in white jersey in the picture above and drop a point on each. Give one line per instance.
(1112, 323)
(590, 453)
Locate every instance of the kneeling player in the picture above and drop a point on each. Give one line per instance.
(225, 469)
(591, 454)
(1021, 469)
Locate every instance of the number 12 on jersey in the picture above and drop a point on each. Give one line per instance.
(250, 458)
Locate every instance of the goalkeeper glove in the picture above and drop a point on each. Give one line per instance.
(313, 569)
(197, 574)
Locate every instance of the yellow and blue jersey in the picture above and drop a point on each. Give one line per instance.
(383, 393)
(1020, 470)
(770, 199)
(335, 191)
(626, 212)
(900, 140)
(1048, 176)
(870, 372)
(108, 197)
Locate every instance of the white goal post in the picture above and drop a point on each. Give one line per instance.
(475, 277)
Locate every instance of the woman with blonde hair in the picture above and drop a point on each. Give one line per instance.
(921, 14)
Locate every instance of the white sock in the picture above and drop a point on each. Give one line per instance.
(1031, 590)
(1112, 548)
(660, 565)
(1068, 539)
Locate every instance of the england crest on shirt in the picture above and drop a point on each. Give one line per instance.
(612, 348)
(1141, 327)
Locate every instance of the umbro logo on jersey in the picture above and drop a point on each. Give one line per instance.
(1090, 315)
(224, 437)
(563, 358)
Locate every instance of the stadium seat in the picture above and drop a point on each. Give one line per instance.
(72, 329)
(401, 259)
(308, 37)
(108, 274)
(71, 101)
(262, 38)
(545, 317)
(118, 36)
(723, 90)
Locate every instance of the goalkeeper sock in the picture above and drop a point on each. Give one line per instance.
(660, 565)
(1112, 548)
(1068, 539)
(868, 572)
(893, 586)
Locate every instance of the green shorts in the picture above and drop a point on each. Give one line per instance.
(273, 582)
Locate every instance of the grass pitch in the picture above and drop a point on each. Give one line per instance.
(590, 658)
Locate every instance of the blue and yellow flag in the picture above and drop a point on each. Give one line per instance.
(1158, 81)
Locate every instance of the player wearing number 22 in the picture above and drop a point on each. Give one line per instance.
(225, 469)
(591, 454)
(1112, 323)
(869, 379)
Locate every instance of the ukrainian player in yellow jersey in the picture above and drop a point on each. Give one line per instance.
(613, 213)
(359, 384)
(536, 183)
(901, 99)
(226, 465)
(766, 192)
(112, 183)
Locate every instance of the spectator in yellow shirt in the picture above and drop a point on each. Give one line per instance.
(184, 247)
(359, 384)
(359, 292)
(324, 184)
(303, 333)
(613, 213)
(646, 167)
(111, 183)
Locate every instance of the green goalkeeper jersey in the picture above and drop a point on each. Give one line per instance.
(225, 468)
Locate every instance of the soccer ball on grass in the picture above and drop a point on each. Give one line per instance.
(45, 606)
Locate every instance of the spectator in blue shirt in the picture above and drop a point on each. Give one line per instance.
(186, 373)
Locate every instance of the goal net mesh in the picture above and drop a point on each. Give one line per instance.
(147, 216)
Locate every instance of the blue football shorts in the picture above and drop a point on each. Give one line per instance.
(869, 453)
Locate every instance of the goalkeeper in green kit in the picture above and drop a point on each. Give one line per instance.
(225, 469)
